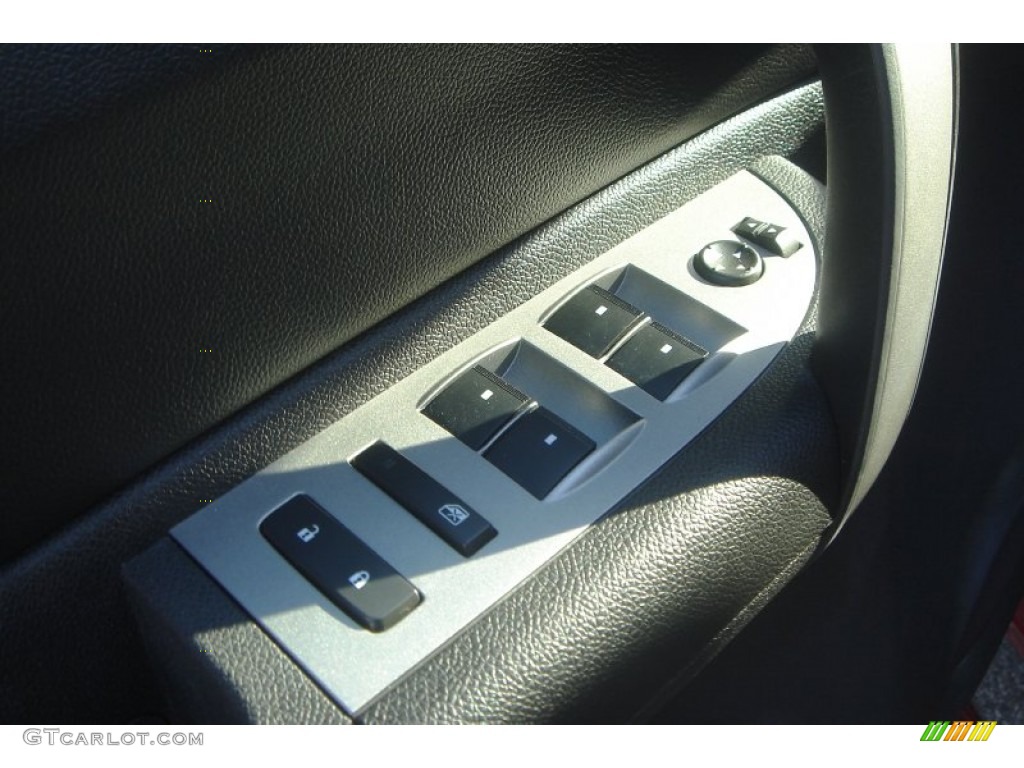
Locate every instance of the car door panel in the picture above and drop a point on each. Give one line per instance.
(621, 618)
(371, 208)
(85, 558)
(188, 249)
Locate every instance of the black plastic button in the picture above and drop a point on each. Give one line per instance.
(339, 564)
(538, 451)
(475, 406)
(657, 359)
(729, 263)
(771, 237)
(593, 320)
(462, 528)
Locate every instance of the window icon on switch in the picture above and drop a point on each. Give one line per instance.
(430, 502)
(453, 513)
(359, 579)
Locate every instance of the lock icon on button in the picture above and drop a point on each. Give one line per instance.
(308, 534)
(359, 579)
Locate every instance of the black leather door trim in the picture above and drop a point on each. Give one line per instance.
(179, 254)
(50, 598)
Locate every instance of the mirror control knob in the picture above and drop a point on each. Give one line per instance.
(729, 263)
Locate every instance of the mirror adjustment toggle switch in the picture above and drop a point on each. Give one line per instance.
(593, 320)
(657, 359)
(339, 564)
(539, 450)
(729, 263)
(475, 406)
(771, 237)
(458, 524)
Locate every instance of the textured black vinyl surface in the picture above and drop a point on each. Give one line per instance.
(63, 603)
(216, 666)
(172, 253)
(47, 89)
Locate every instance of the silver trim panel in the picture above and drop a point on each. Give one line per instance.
(921, 87)
(635, 434)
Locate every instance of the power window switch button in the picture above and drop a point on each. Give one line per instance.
(657, 360)
(539, 450)
(593, 320)
(475, 406)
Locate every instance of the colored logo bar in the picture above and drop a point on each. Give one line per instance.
(958, 730)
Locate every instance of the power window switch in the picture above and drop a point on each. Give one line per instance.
(459, 525)
(657, 359)
(771, 237)
(539, 450)
(339, 564)
(593, 320)
(475, 406)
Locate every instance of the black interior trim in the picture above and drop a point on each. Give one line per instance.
(45, 623)
(174, 254)
(855, 276)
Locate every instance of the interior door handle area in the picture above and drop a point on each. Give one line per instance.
(555, 435)
(390, 384)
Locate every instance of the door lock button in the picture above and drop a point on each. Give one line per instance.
(593, 320)
(539, 450)
(339, 564)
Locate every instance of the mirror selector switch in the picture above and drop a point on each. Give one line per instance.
(539, 450)
(729, 263)
(458, 524)
(475, 406)
(593, 320)
(657, 359)
(339, 564)
(771, 237)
